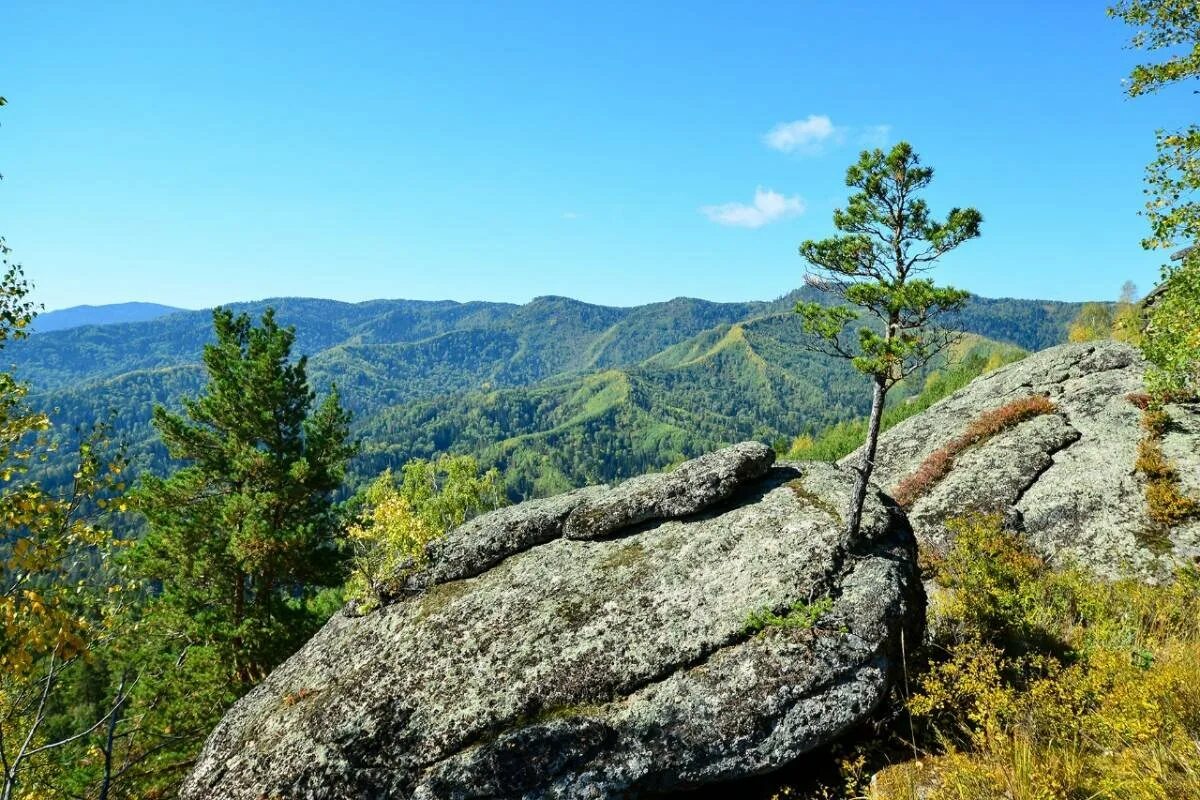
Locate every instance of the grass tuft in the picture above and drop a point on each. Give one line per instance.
(799, 615)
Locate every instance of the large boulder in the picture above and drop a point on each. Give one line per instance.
(523, 662)
(1067, 478)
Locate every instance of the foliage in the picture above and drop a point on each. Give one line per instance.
(1172, 336)
(1171, 27)
(837, 441)
(1171, 341)
(400, 518)
(1127, 316)
(1049, 683)
(60, 596)
(798, 615)
(242, 539)
(1121, 320)
(1095, 321)
(888, 240)
(16, 310)
(987, 425)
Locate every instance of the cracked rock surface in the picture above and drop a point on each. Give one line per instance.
(1067, 480)
(594, 668)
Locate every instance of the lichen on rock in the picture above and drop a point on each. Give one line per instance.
(529, 664)
(1065, 479)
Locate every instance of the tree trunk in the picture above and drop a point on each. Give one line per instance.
(239, 614)
(109, 739)
(867, 465)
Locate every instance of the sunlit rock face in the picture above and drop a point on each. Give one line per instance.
(1066, 479)
(595, 645)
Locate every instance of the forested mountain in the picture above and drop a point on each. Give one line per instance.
(78, 316)
(556, 391)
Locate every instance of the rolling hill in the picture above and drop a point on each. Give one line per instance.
(556, 391)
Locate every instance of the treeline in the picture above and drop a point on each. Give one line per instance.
(429, 377)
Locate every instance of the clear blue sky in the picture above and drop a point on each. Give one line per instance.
(196, 153)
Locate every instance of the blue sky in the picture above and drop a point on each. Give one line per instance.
(198, 153)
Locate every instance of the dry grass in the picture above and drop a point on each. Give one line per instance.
(1141, 400)
(937, 465)
(1166, 504)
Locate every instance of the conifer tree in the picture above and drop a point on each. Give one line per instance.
(242, 538)
(874, 267)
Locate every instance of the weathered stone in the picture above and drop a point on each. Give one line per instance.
(691, 487)
(1011, 462)
(485, 541)
(1067, 480)
(604, 668)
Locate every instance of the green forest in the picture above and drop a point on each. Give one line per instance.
(558, 393)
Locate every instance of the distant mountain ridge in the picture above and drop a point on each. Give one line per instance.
(111, 314)
(555, 391)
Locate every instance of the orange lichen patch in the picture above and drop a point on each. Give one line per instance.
(293, 698)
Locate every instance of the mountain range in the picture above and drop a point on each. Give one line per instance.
(112, 314)
(556, 392)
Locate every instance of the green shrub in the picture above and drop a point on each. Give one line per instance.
(400, 518)
(1049, 683)
(799, 615)
(1172, 337)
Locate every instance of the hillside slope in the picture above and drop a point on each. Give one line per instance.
(556, 391)
(749, 380)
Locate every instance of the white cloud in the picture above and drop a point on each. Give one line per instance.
(769, 206)
(803, 135)
(810, 136)
(571, 215)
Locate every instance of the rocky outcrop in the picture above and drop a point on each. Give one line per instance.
(526, 662)
(693, 486)
(1066, 478)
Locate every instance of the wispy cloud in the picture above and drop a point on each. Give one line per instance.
(807, 135)
(769, 206)
(571, 215)
(816, 133)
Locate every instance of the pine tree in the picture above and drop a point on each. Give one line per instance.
(888, 241)
(243, 537)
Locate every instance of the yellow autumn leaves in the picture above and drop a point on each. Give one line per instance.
(400, 518)
(1048, 683)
